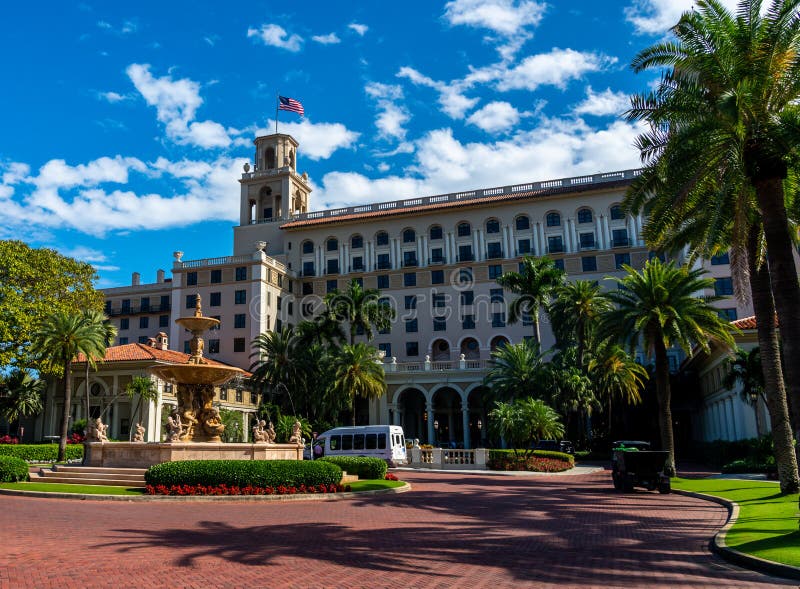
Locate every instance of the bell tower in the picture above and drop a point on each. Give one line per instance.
(273, 190)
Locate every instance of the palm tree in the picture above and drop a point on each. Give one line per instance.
(656, 309)
(745, 367)
(60, 338)
(572, 391)
(98, 320)
(22, 398)
(575, 312)
(525, 421)
(143, 389)
(725, 114)
(360, 308)
(534, 283)
(616, 375)
(278, 361)
(359, 373)
(516, 370)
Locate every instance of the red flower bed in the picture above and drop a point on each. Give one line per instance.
(390, 477)
(6, 439)
(529, 463)
(76, 438)
(195, 490)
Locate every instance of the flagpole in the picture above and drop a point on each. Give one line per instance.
(277, 103)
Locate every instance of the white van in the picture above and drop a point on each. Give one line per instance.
(378, 441)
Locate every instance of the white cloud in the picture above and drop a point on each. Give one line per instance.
(112, 97)
(603, 103)
(318, 140)
(277, 36)
(656, 17)
(329, 39)
(391, 116)
(451, 98)
(358, 28)
(86, 254)
(505, 17)
(14, 172)
(176, 103)
(495, 117)
(126, 28)
(556, 68)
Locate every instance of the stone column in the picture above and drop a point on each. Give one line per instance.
(448, 254)
(574, 235)
(465, 421)
(429, 410)
(245, 426)
(393, 254)
(600, 242)
(476, 245)
(420, 251)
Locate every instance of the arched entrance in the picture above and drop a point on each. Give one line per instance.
(498, 341)
(480, 404)
(448, 430)
(440, 351)
(471, 348)
(411, 406)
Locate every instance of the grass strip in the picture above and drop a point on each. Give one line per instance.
(374, 485)
(64, 488)
(767, 523)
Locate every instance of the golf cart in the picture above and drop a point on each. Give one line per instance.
(633, 464)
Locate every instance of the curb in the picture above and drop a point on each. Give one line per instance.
(203, 499)
(718, 545)
(513, 473)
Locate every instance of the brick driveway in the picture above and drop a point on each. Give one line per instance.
(450, 531)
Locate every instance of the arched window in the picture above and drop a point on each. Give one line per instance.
(616, 213)
(332, 245)
(498, 342)
(409, 236)
(308, 247)
(553, 220)
(269, 158)
(436, 232)
(382, 238)
(585, 216)
(492, 226)
(523, 222)
(356, 242)
(464, 229)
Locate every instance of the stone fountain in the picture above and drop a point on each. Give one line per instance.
(195, 427)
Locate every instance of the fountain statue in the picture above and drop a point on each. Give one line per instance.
(199, 419)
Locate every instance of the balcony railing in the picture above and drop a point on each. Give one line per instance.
(556, 249)
(430, 366)
(384, 265)
(138, 310)
(494, 255)
(465, 258)
(621, 242)
(435, 261)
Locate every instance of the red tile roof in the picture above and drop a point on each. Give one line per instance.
(145, 353)
(452, 205)
(749, 322)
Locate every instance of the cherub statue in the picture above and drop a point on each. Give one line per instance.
(297, 436)
(97, 431)
(270, 433)
(259, 433)
(139, 435)
(174, 427)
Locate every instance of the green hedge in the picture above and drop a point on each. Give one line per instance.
(721, 452)
(363, 466)
(258, 473)
(497, 454)
(40, 452)
(750, 466)
(13, 469)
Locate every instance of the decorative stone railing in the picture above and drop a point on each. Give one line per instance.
(444, 458)
(392, 365)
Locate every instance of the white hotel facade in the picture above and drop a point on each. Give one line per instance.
(434, 258)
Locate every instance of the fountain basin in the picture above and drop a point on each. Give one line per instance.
(139, 455)
(213, 374)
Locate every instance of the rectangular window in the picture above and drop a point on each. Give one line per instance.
(587, 241)
(382, 238)
(279, 302)
(215, 299)
(619, 238)
(126, 305)
(409, 259)
(720, 259)
(437, 276)
(239, 320)
(218, 325)
(238, 344)
(278, 324)
(463, 229)
(241, 273)
(290, 309)
(357, 242)
(439, 324)
(216, 276)
(496, 295)
(381, 441)
(468, 322)
(723, 286)
(438, 300)
(383, 281)
(523, 247)
(163, 320)
(494, 250)
(191, 278)
(124, 323)
(412, 348)
(144, 303)
(335, 442)
(464, 275)
(555, 244)
(107, 308)
(465, 253)
(467, 298)
(213, 346)
(728, 314)
(383, 262)
(409, 279)
(239, 396)
(223, 394)
(347, 442)
(620, 259)
(308, 288)
(589, 263)
(436, 232)
(499, 319)
(308, 269)
(437, 255)
(165, 304)
(186, 348)
(358, 264)
(371, 442)
(240, 297)
(330, 285)
(411, 326)
(411, 302)
(559, 264)
(123, 341)
(142, 339)
(495, 271)
(527, 319)
(333, 266)
(386, 348)
(144, 322)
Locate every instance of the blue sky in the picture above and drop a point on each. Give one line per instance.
(126, 125)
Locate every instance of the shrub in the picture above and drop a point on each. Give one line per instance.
(243, 473)
(6, 439)
(538, 453)
(363, 466)
(13, 469)
(40, 452)
(722, 452)
(538, 461)
(750, 466)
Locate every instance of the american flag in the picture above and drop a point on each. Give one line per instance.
(290, 104)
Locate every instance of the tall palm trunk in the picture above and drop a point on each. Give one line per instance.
(769, 348)
(62, 442)
(536, 333)
(785, 286)
(664, 396)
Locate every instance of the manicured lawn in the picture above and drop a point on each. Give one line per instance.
(767, 523)
(61, 488)
(374, 485)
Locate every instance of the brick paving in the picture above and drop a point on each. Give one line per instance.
(450, 531)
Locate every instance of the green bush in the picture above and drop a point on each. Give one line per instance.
(258, 473)
(501, 454)
(363, 466)
(749, 466)
(721, 452)
(40, 452)
(13, 469)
